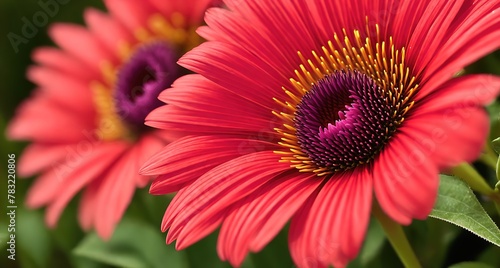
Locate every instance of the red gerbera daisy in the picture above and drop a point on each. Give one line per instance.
(307, 110)
(86, 121)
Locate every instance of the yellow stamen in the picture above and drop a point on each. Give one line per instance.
(176, 31)
(108, 72)
(110, 125)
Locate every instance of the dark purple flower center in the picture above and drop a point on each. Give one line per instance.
(343, 121)
(150, 70)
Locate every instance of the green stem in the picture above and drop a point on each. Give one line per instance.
(489, 156)
(489, 151)
(489, 160)
(468, 174)
(397, 238)
(497, 171)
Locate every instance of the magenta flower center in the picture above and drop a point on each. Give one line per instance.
(149, 71)
(343, 121)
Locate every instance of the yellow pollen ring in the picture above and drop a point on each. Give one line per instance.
(110, 125)
(175, 31)
(381, 61)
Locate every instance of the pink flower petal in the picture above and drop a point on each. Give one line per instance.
(199, 102)
(88, 203)
(111, 33)
(67, 91)
(71, 127)
(192, 10)
(132, 14)
(111, 196)
(329, 229)
(61, 61)
(79, 176)
(147, 146)
(451, 136)
(257, 218)
(179, 119)
(406, 18)
(45, 188)
(182, 162)
(197, 93)
(238, 77)
(80, 43)
(116, 192)
(40, 157)
(438, 15)
(405, 178)
(195, 210)
(463, 92)
(472, 35)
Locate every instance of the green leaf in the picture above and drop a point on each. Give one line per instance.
(470, 265)
(496, 145)
(82, 262)
(204, 254)
(374, 241)
(457, 204)
(4, 236)
(431, 240)
(119, 258)
(134, 244)
(372, 247)
(32, 239)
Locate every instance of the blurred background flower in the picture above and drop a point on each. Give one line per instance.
(86, 119)
(137, 240)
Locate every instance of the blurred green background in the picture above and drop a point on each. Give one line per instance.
(138, 241)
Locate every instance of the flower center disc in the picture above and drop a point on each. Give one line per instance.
(148, 72)
(343, 121)
(343, 104)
